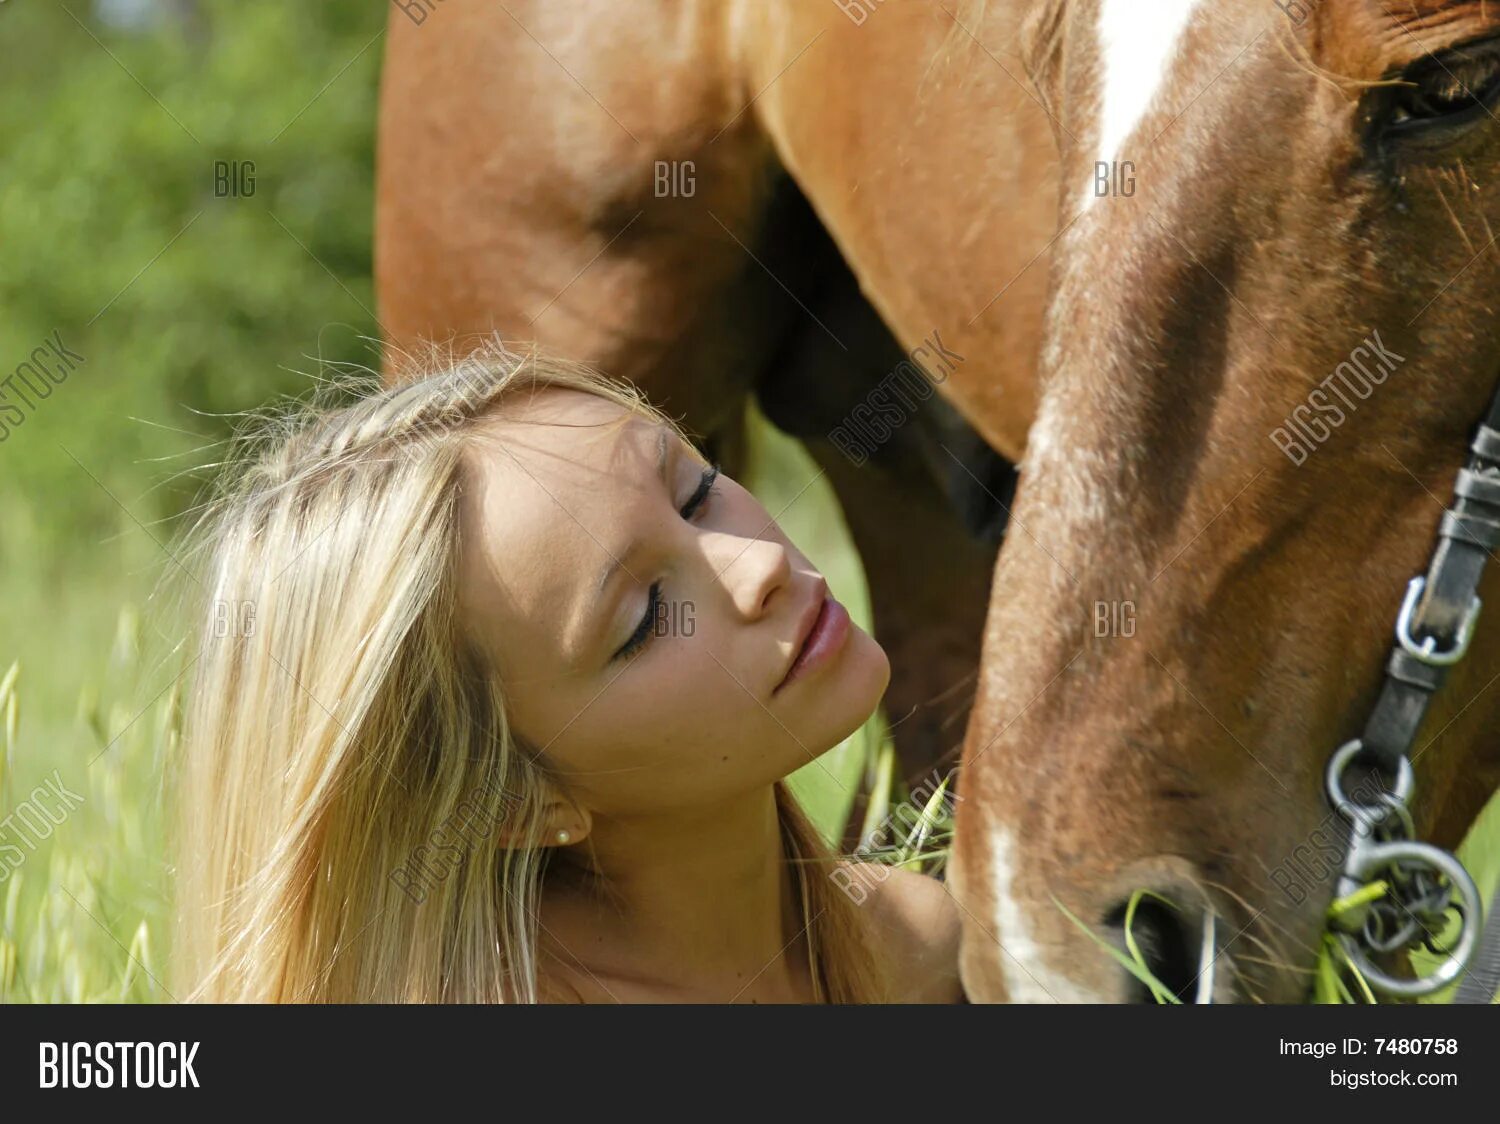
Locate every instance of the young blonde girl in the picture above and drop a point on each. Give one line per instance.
(420, 764)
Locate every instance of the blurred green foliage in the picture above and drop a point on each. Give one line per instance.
(114, 238)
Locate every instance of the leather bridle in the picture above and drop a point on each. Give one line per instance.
(1423, 883)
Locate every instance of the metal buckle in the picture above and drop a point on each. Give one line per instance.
(1427, 650)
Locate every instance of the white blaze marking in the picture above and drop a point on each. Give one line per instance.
(1027, 977)
(1137, 43)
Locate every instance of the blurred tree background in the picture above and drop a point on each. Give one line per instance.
(114, 119)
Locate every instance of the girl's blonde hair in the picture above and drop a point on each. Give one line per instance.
(349, 781)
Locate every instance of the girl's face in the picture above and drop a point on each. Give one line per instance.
(644, 614)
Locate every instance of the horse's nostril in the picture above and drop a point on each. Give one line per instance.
(1170, 942)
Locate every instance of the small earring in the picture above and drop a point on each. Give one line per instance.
(564, 837)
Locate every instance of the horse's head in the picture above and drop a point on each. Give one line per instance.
(1272, 330)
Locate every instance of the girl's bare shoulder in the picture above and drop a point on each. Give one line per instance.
(918, 925)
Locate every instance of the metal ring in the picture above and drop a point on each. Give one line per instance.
(1364, 814)
(1427, 650)
(1376, 858)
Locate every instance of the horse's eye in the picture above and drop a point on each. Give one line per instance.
(1442, 95)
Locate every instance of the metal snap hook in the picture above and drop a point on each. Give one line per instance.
(1367, 816)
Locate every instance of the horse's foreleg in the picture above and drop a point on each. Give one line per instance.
(580, 194)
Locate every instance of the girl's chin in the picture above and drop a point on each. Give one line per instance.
(849, 698)
(869, 670)
(883, 660)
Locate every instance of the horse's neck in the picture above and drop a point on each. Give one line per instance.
(932, 165)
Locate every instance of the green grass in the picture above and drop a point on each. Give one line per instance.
(1130, 958)
(84, 913)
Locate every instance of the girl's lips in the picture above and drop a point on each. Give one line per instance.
(826, 639)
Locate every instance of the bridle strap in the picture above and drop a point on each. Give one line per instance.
(1441, 610)
(1421, 885)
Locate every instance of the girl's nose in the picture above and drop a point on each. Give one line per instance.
(752, 571)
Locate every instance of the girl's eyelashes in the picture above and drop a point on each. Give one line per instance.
(644, 630)
(705, 489)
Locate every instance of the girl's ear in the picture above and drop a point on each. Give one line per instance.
(561, 825)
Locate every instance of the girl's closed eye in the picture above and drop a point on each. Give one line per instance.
(646, 628)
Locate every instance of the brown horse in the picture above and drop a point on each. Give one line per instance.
(1263, 363)
(1193, 601)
